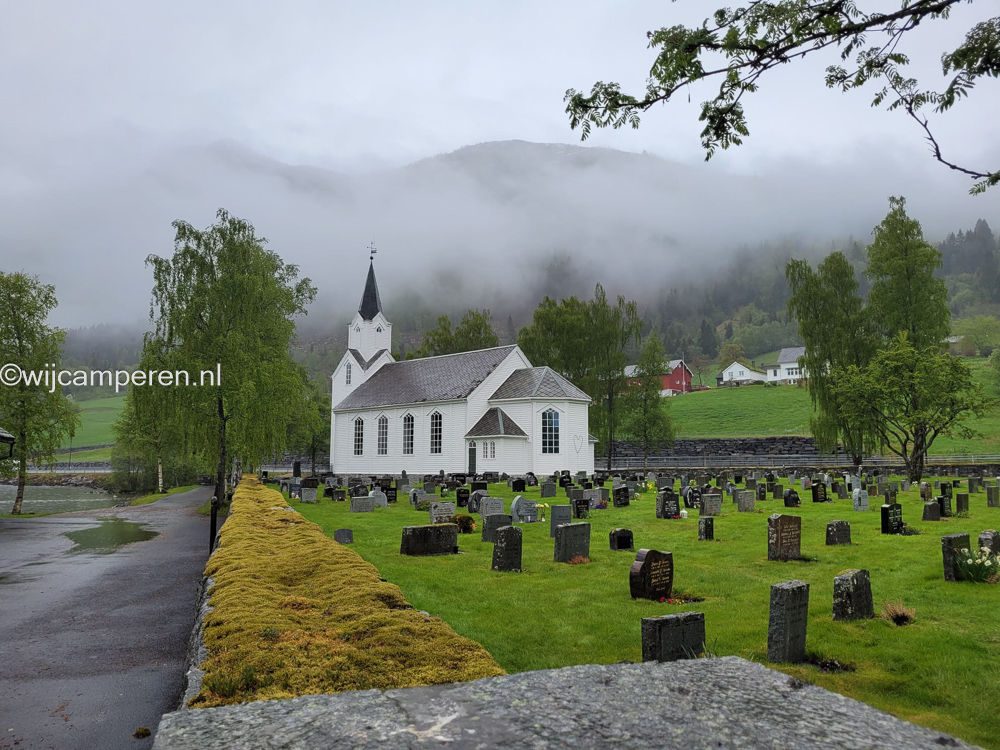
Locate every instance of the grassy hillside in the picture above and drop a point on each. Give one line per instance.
(96, 417)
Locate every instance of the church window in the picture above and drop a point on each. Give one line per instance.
(359, 436)
(436, 420)
(550, 431)
(408, 435)
(383, 435)
(493, 449)
(378, 330)
(347, 376)
(486, 449)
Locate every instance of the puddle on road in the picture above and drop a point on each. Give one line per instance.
(109, 536)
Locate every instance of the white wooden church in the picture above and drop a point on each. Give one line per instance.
(487, 410)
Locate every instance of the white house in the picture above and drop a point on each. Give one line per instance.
(740, 374)
(787, 370)
(486, 410)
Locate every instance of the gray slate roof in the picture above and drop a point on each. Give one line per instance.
(496, 423)
(370, 305)
(5, 436)
(791, 355)
(415, 381)
(538, 382)
(361, 360)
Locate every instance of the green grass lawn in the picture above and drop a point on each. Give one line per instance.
(78, 457)
(154, 496)
(755, 411)
(96, 417)
(941, 671)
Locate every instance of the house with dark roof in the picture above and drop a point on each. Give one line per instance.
(676, 380)
(486, 410)
(787, 371)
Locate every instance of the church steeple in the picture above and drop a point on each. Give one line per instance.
(371, 305)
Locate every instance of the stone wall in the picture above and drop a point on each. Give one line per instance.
(791, 445)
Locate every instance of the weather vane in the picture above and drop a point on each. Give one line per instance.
(372, 250)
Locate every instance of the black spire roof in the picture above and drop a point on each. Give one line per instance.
(371, 305)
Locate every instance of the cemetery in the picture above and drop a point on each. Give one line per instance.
(839, 565)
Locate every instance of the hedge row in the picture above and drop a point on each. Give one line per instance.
(295, 613)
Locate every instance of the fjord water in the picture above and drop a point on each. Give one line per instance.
(56, 499)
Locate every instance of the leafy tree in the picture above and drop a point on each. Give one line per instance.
(908, 397)
(36, 413)
(700, 366)
(558, 338)
(647, 413)
(226, 304)
(474, 331)
(732, 352)
(610, 329)
(309, 428)
(437, 341)
(708, 340)
(729, 330)
(982, 332)
(905, 295)
(762, 36)
(837, 331)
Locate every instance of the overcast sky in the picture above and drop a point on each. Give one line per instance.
(98, 95)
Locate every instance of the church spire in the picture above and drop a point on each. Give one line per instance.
(371, 305)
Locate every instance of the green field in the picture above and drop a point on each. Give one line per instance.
(756, 411)
(96, 417)
(940, 671)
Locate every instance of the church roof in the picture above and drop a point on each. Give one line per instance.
(371, 305)
(538, 382)
(415, 381)
(496, 423)
(361, 360)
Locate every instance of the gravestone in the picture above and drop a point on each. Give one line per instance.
(523, 510)
(993, 497)
(343, 536)
(944, 502)
(490, 506)
(565, 480)
(340, 495)
(792, 498)
(819, 493)
(860, 498)
(778, 492)
(693, 496)
(462, 497)
(507, 549)
(390, 494)
(751, 484)
(517, 485)
(476, 500)
(309, 495)
(667, 505)
(892, 519)
(926, 492)
(442, 512)
(673, 637)
(581, 507)
(651, 575)
(423, 541)
(296, 468)
(362, 505)
(478, 486)
(378, 497)
(946, 490)
(548, 489)
(784, 537)
(950, 550)
(574, 494)
(620, 539)
(762, 493)
(593, 497)
(572, 540)
(296, 489)
(711, 505)
(417, 495)
(852, 596)
(706, 529)
(786, 628)
(744, 501)
(961, 502)
(932, 511)
(559, 514)
(493, 522)
(841, 489)
(620, 497)
(974, 484)
(838, 532)
(605, 494)
(991, 540)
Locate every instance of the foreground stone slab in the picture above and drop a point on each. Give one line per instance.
(699, 703)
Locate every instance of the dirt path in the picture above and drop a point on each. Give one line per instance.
(93, 641)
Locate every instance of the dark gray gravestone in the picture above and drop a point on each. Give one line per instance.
(574, 494)
(706, 529)
(296, 468)
(761, 493)
(944, 503)
(441, 539)
(390, 494)
(744, 501)
(961, 502)
(493, 522)
(476, 500)
(841, 490)
(593, 497)
(932, 511)
(507, 550)
(792, 498)
(309, 495)
(491, 506)
(667, 504)
(620, 539)
(442, 512)
(711, 505)
(974, 484)
(993, 497)
(778, 492)
(946, 489)
(950, 546)
(838, 532)
(479, 486)
(340, 495)
(819, 493)
(559, 514)
(572, 540)
(517, 485)
(784, 537)
(462, 496)
(673, 637)
(852, 596)
(548, 490)
(786, 628)
(580, 506)
(892, 519)
(651, 575)
(620, 497)
(991, 540)
(362, 504)
(343, 536)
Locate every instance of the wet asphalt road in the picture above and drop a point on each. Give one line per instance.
(92, 644)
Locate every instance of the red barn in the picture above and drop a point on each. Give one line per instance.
(678, 380)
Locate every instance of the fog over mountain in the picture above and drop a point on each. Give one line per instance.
(491, 225)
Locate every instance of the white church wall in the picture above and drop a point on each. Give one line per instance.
(574, 453)
(478, 400)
